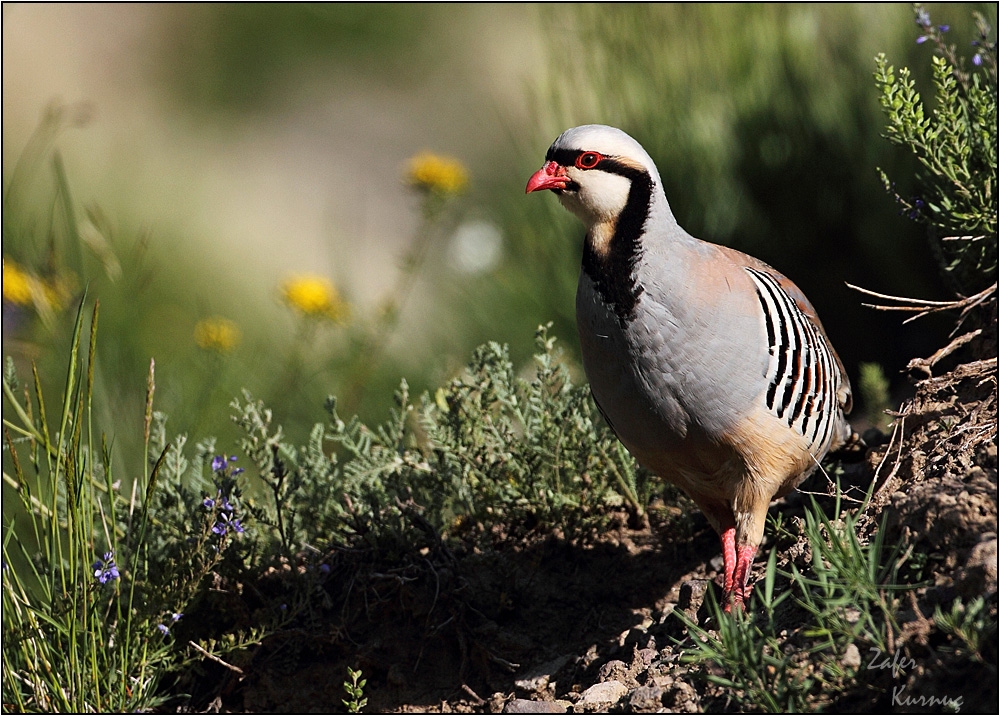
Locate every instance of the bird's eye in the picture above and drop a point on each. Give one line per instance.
(588, 160)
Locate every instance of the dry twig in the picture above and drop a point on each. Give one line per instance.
(216, 659)
(923, 307)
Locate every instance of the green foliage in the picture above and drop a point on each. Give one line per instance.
(955, 145)
(874, 389)
(490, 448)
(355, 689)
(746, 654)
(851, 591)
(969, 625)
(75, 560)
(848, 598)
(100, 572)
(96, 576)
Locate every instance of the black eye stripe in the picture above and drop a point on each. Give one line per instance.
(564, 157)
(568, 157)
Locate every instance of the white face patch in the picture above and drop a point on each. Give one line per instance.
(601, 197)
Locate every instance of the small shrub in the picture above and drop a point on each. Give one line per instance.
(955, 145)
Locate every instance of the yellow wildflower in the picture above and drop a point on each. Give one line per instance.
(16, 284)
(314, 296)
(216, 334)
(25, 289)
(443, 175)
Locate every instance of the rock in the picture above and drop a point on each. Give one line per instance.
(645, 657)
(851, 658)
(979, 576)
(527, 706)
(645, 698)
(613, 670)
(608, 692)
(638, 637)
(496, 702)
(539, 677)
(692, 594)
(683, 699)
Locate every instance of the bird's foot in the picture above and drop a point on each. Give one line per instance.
(734, 603)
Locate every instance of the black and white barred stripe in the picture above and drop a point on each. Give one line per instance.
(802, 372)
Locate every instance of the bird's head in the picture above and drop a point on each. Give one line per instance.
(592, 169)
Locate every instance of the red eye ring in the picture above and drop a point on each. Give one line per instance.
(588, 160)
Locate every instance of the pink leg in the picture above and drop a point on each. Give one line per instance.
(743, 564)
(729, 562)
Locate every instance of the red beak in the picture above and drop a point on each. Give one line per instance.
(550, 176)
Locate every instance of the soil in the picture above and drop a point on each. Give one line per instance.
(544, 624)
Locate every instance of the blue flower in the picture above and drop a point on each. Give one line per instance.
(923, 18)
(163, 629)
(944, 28)
(209, 502)
(226, 522)
(977, 59)
(105, 568)
(220, 462)
(922, 39)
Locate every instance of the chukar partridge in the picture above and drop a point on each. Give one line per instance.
(710, 366)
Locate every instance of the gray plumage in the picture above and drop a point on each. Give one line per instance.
(711, 367)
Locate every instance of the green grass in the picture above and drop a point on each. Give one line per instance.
(75, 559)
(849, 596)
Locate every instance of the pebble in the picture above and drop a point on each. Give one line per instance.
(527, 706)
(852, 657)
(539, 677)
(603, 693)
(645, 697)
(612, 669)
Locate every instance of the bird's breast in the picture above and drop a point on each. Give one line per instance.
(679, 376)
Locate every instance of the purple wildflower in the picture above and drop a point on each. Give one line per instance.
(218, 463)
(105, 568)
(225, 523)
(209, 502)
(922, 39)
(163, 629)
(977, 59)
(944, 28)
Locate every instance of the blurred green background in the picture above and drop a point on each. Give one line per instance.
(184, 160)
